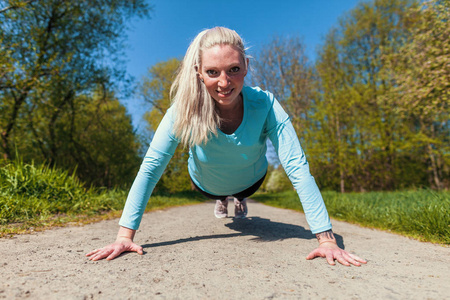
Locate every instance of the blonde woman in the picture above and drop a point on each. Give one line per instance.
(225, 125)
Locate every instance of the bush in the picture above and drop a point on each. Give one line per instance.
(278, 181)
(28, 191)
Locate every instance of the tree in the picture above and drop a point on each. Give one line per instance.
(421, 74)
(55, 51)
(100, 139)
(95, 138)
(14, 5)
(155, 90)
(334, 117)
(282, 67)
(353, 118)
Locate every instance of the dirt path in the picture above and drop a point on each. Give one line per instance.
(189, 254)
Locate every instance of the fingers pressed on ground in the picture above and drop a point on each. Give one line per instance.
(340, 258)
(330, 258)
(114, 254)
(357, 258)
(99, 255)
(92, 252)
(313, 254)
(94, 257)
(351, 259)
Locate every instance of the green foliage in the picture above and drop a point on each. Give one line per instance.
(155, 89)
(39, 196)
(96, 137)
(421, 72)
(102, 142)
(373, 113)
(277, 181)
(356, 126)
(28, 191)
(55, 56)
(422, 214)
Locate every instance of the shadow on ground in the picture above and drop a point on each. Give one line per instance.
(263, 230)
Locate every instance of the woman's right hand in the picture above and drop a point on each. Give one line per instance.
(112, 251)
(123, 243)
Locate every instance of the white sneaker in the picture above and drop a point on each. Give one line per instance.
(220, 210)
(240, 208)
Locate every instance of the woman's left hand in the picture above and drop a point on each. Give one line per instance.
(331, 252)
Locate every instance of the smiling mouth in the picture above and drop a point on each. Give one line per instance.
(225, 93)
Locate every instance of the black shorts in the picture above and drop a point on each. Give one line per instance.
(241, 195)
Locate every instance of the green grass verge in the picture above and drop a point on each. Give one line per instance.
(34, 198)
(422, 214)
(37, 197)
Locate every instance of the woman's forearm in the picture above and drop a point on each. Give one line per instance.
(126, 233)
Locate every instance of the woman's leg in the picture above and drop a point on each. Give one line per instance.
(240, 204)
(221, 207)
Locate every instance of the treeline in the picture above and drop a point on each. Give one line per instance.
(372, 111)
(60, 63)
(379, 115)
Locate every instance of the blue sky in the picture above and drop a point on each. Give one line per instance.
(174, 23)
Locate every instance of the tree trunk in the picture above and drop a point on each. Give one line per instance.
(341, 170)
(434, 168)
(11, 123)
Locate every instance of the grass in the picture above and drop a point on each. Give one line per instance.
(34, 198)
(421, 214)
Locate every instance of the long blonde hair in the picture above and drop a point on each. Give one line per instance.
(196, 114)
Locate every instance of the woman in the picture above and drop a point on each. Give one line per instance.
(226, 126)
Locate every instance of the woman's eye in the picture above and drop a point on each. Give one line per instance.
(235, 69)
(211, 72)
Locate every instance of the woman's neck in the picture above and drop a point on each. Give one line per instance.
(231, 117)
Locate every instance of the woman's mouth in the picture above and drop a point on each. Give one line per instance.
(225, 93)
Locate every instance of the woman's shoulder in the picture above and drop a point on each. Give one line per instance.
(258, 96)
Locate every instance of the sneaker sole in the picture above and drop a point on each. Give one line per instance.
(240, 217)
(220, 217)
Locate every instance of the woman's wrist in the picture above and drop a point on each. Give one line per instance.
(125, 233)
(325, 236)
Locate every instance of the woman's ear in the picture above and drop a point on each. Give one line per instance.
(200, 77)
(198, 73)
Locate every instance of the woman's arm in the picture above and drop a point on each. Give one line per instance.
(160, 152)
(292, 157)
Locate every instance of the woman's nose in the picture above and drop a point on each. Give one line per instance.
(224, 80)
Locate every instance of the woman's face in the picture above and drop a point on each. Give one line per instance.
(223, 71)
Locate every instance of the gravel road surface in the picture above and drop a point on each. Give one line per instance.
(189, 254)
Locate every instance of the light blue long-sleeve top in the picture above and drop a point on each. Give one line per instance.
(230, 163)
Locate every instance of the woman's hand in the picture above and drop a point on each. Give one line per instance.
(331, 251)
(112, 251)
(123, 243)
